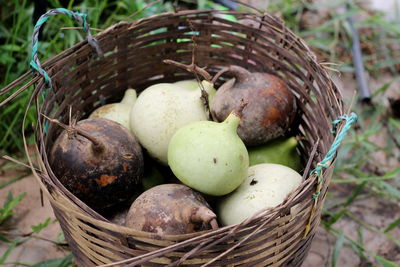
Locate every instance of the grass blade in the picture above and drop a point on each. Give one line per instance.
(10, 203)
(392, 225)
(335, 217)
(60, 262)
(390, 189)
(373, 229)
(360, 239)
(4, 239)
(338, 247)
(385, 262)
(39, 227)
(12, 180)
(395, 123)
(354, 195)
(381, 90)
(9, 250)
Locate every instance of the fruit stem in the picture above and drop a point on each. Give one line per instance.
(192, 67)
(208, 86)
(205, 215)
(239, 111)
(97, 145)
(130, 97)
(214, 224)
(241, 74)
(233, 120)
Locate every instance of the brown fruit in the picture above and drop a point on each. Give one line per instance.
(170, 209)
(268, 106)
(99, 162)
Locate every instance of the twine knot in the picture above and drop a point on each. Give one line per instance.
(326, 162)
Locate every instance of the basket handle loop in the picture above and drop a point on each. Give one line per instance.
(79, 17)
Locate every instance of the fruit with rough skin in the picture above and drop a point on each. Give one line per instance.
(270, 106)
(170, 209)
(99, 161)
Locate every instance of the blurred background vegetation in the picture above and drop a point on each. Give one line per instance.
(368, 163)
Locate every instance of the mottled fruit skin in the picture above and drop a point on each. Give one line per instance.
(101, 179)
(270, 106)
(170, 209)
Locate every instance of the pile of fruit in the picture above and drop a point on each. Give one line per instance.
(184, 157)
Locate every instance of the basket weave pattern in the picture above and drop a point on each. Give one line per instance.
(133, 54)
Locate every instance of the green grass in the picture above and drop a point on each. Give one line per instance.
(330, 39)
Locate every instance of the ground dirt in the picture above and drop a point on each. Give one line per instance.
(30, 211)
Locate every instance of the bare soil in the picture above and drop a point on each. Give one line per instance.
(28, 212)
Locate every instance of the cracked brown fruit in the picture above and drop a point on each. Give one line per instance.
(170, 209)
(98, 161)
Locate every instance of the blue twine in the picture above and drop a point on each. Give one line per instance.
(315, 195)
(350, 120)
(35, 63)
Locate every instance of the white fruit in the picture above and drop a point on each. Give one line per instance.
(118, 112)
(160, 111)
(266, 186)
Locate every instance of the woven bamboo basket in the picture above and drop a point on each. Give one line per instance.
(131, 55)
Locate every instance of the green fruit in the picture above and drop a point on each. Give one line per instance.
(279, 151)
(188, 84)
(152, 177)
(209, 156)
